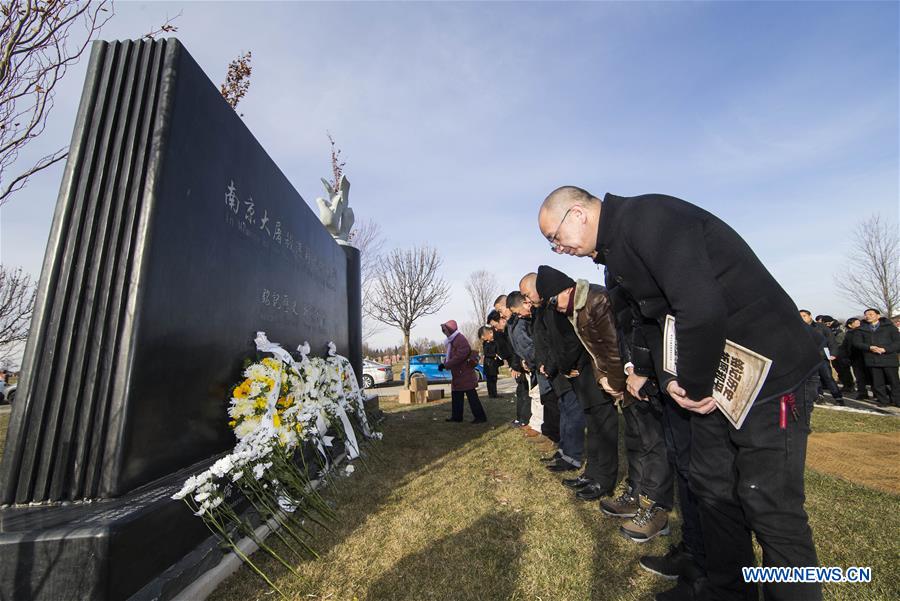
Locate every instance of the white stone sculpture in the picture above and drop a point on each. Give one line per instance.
(335, 213)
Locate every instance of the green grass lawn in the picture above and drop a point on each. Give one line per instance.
(831, 420)
(461, 511)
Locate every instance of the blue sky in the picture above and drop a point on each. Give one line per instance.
(457, 119)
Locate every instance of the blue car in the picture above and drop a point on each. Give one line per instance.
(427, 365)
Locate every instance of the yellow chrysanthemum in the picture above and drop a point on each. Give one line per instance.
(276, 420)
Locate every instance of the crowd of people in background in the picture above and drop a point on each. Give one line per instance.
(859, 356)
(581, 353)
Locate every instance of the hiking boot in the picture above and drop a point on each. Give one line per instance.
(623, 506)
(671, 565)
(650, 521)
(530, 432)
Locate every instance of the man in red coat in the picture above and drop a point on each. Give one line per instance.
(460, 362)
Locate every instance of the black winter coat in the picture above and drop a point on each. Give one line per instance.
(849, 349)
(565, 347)
(492, 360)
(504, 347)
(542, 352)
(633, 338)
(675, 258)
(886, 336)
(828, 335)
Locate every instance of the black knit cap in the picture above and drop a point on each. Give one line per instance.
(551, 282)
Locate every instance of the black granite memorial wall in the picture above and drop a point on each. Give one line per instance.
(175, 238)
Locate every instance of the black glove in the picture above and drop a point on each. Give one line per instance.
(441, 367)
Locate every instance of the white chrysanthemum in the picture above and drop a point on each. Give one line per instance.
(190, 486)
(257, 371)
(222, 467)
(246, 427)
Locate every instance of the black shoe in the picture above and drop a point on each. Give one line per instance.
(670, 565)
(839, 401)
(450, 419)
(685, 590)
(577, 483)
(561, 465)
(592, 492)
(479, 421)
(551, 458)
(862, 396)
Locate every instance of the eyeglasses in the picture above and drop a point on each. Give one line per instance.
(554, 244)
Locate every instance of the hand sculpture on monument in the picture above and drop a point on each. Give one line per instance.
(335, 213)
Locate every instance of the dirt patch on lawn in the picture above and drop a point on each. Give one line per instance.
(864, 458)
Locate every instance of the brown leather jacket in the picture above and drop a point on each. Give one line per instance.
(596, 327)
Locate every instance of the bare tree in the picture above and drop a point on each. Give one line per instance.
(167, 27)
(422, 345)
(367, 237)
(469, 329)
(407, 286)
(871, 276)
(39, 41)
(483, 288)
(337, 165)
(16, 305)
(237, 80)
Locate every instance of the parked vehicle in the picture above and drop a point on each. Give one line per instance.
(427, 365)
(376, 373)
(10, 394)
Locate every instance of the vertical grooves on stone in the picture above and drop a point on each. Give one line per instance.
(53, 360)
(70, 479)
(77, 296)
(73, 359)
(131, 193)
(18, 465)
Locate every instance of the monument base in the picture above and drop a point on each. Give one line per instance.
(96, 550)
(143, 545)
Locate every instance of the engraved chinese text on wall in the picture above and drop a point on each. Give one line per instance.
(252, 220)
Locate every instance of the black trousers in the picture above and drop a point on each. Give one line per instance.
(523, 399)
(677, 422)
(751, 481)
(861, 373)
(550, 427)
(457, 405)
(825, 379)
(842, 367)
(882, 377)
(490, 381)
(601, 446)
(649, 470)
